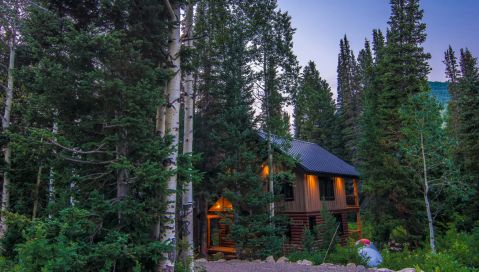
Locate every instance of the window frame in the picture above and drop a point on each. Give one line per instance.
(326, 188)
(287, 184)
(339, 219)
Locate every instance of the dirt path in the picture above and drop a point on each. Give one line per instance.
(239, 266)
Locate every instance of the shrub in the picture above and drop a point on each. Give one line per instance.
(443, 262)
(347, 254)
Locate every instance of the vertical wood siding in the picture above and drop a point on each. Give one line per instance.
(313, 200)
(298, 204)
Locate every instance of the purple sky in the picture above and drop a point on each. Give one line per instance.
(320, 24)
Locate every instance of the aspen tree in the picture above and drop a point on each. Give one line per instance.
(188, 147)
(172, 129)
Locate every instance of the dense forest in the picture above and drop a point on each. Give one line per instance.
(124, 121)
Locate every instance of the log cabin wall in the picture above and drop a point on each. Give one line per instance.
(301, 221)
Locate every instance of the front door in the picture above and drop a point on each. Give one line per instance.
(218, 232)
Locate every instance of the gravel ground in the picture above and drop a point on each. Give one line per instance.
(239, 266)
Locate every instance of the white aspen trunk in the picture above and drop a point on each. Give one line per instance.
(160, 131)
(51, 189)
(188, 148)
(6, 125)
(172, 128)
(270, 172)
(426, 200)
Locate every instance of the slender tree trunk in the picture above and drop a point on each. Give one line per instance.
(51, 188)
(426, 200)
(122, 187)
(188, 148)
(37, 189)
(6, 125)
(172, 128)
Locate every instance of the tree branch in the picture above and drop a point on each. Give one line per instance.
(80, 161)
(77, 151)
(170, 10)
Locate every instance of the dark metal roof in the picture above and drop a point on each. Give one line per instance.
(314, 159)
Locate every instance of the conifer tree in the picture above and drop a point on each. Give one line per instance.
(315, 116)
(468, 88)
(95, 78)
(403, 72)
(349, 98)
(452, 73)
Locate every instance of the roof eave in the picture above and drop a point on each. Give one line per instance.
(324, 174)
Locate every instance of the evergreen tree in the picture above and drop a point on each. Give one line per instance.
(401, 70)
(315, 116)
(452, 73)
(468, 88)
(349, 98)
(93, 90)
(405, 73)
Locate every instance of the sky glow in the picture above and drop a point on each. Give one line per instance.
(320, 24)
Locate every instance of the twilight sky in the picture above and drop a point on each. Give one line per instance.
(320, 24)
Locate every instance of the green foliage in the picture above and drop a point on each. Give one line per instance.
(315, 117)
(75, 241)
(324, 235)
(339, 255)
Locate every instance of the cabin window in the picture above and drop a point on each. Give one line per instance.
(287, 190)
(326, 188)
(339, 219)
(312, 224)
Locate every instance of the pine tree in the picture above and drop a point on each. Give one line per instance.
(403, 71)
(349, 98)
(452, 73)
(315, 116)
(468, 99)
(94, 78)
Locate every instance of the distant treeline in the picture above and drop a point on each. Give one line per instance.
(440, 90)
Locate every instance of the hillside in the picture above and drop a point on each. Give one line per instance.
(440, 90)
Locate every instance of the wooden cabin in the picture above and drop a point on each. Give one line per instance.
(318, 174)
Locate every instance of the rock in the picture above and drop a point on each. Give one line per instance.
(282, 260)
(385, 270)
(270, 259)
(361, 267)
(408, 270)
(256, 261)
(235, 260)
(326, 264)
(299, 262)
(351, 265)
(220, 261)
(202, 260)
(306, 262)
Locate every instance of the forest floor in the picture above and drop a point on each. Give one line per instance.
(244, 266)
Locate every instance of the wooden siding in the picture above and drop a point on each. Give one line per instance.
(313, 200)
(301, 220)
(299, 190)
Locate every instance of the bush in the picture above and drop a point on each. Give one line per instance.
(347, 254)
(443, 262)
(72, 242)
